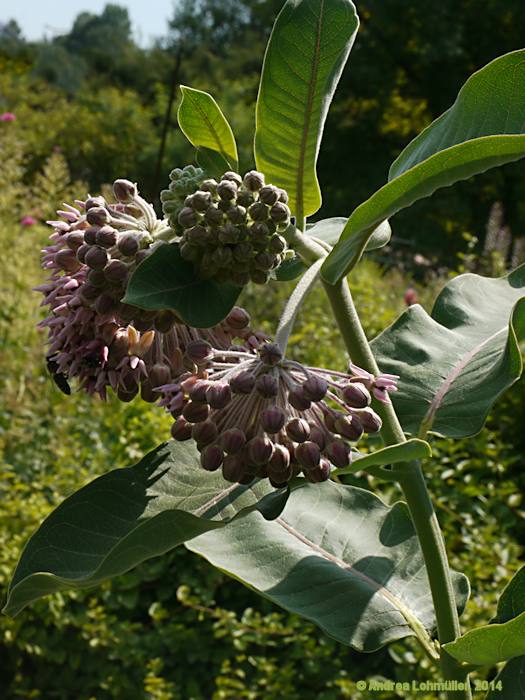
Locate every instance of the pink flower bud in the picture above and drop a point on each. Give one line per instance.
(125, 191)
(116, 271)
(238, 319)
(298, 400)
(218, 395)
(260, 450)
(204, 433)
(370, 421)
(356, 394)
(267, 386)
(96, 258)
(195, 412)
(315, 388)
(233, 468)
(308, 455)
(197, 392)
(212, 458)
(232, 440)
(320, 473)
(253, 181)
(107, 237)
(338, 452)
(349, 427)
(272, 419)
(199, 351)
(98, 216)
(298, 430)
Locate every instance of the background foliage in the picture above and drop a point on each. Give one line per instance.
(85, 114)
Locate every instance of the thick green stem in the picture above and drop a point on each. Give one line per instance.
(414, 489)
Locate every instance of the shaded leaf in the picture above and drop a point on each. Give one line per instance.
(338, 556)
(205, 126)
(308, 47)
(127, 516)
(509, 684)
(454, 364)
(164, 280)
(484, 128)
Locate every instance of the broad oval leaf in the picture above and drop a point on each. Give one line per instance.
(509, 684)
(454, 364)
(338, 556)
(503, 639)
(164, 280)
(484, 128)
(127, 516)
(308, 48)
(205, 126)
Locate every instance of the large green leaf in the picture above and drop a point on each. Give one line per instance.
(338, 556)
(206, 127)
(484, 128)
(128, 516)
(454, 364)
(503, 639)
(308, 48)
(509, 684)
(164, 280)
(386, 456)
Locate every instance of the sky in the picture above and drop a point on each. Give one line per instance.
(38, 18)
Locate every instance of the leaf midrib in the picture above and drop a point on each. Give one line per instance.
(210, 126)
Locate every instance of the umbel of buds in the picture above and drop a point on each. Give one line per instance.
(263, 415)
(92, 335)
(183, 182)
(231, 229)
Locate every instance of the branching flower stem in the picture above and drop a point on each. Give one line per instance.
(411, 479)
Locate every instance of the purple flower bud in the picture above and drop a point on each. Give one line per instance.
(338, 452)
(237, 215)
(125, 191)
(159, 374)
(201, 200)
(349, 427)
(243, 382)
(181, 429)
(97, 277)
(308, 455)
(96, 258)
(82, 251)
(128, 244)
(116, 271)
(283, 196)
(232, 440)
(298, 400)
(318, 436)
(269, 194)
(98, 216)
(218, 395)
(277, 244)
(265, 261)
(258, 211)
(94, 202)
(270, 354)
(233, 176)
(253, 180)
(107, 237)
(199, 351)
(320, 473)
(233, 468)
(315, 388)
(148, 393)
(272, 419)
(67, 260)
(214, 216)
(209, 185)
(279, 462)
(211, 458)
(204, 433)
(74, 240)
(356, 395)
(280, 213)
(370, 421)
(196, 412)
(197, 392)
(238, 319)
(267, 386)
(89, 292)
(105, 304)
(245, 198)
(260, 450)
(298, 430)
(227, 190)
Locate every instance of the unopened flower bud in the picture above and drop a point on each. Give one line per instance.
(269, 194)
(308, 455)
(320, 473)
(280, 213)
(218, 395)
(271, 354)
(349, 427)
(199, 351)
(233, 440)
(201, 200)
(356, 395)
(253, 181)
(279, 461)
(233, 468)
(209, 185)
(298, 430)
(272, 419)
(90, 234)
(370, 421)
(242, 252)
(159, 374)
(260, 450)
(227, 190)
(258, 211)
(98, 216)
(96, 258)
(298, 400)
(74, 240)
(104, 304)
(243, 382)
(211, 458)
(181, 429)
(233, 176)
(214, 216)
(338, 452)
(187, 217)
(198, 391)
(315, 388)
(107, 237)
(164, 321)
(238, 319)
(267, 386)
(128, 244)
(196, 412)
(125, 191)
(94, 202)
(204, 433)
(97, 278)
(81, 252)
(277, 244)
(67, 260)
(116, 271)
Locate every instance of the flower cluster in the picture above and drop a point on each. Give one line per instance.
(183, 182)
(262, 415)
(92, 335)
(230, 229)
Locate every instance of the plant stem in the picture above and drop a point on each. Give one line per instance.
(414, 489)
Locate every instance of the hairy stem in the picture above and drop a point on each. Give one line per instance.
(414, 488)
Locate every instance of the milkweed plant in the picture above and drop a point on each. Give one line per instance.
(140, 305)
